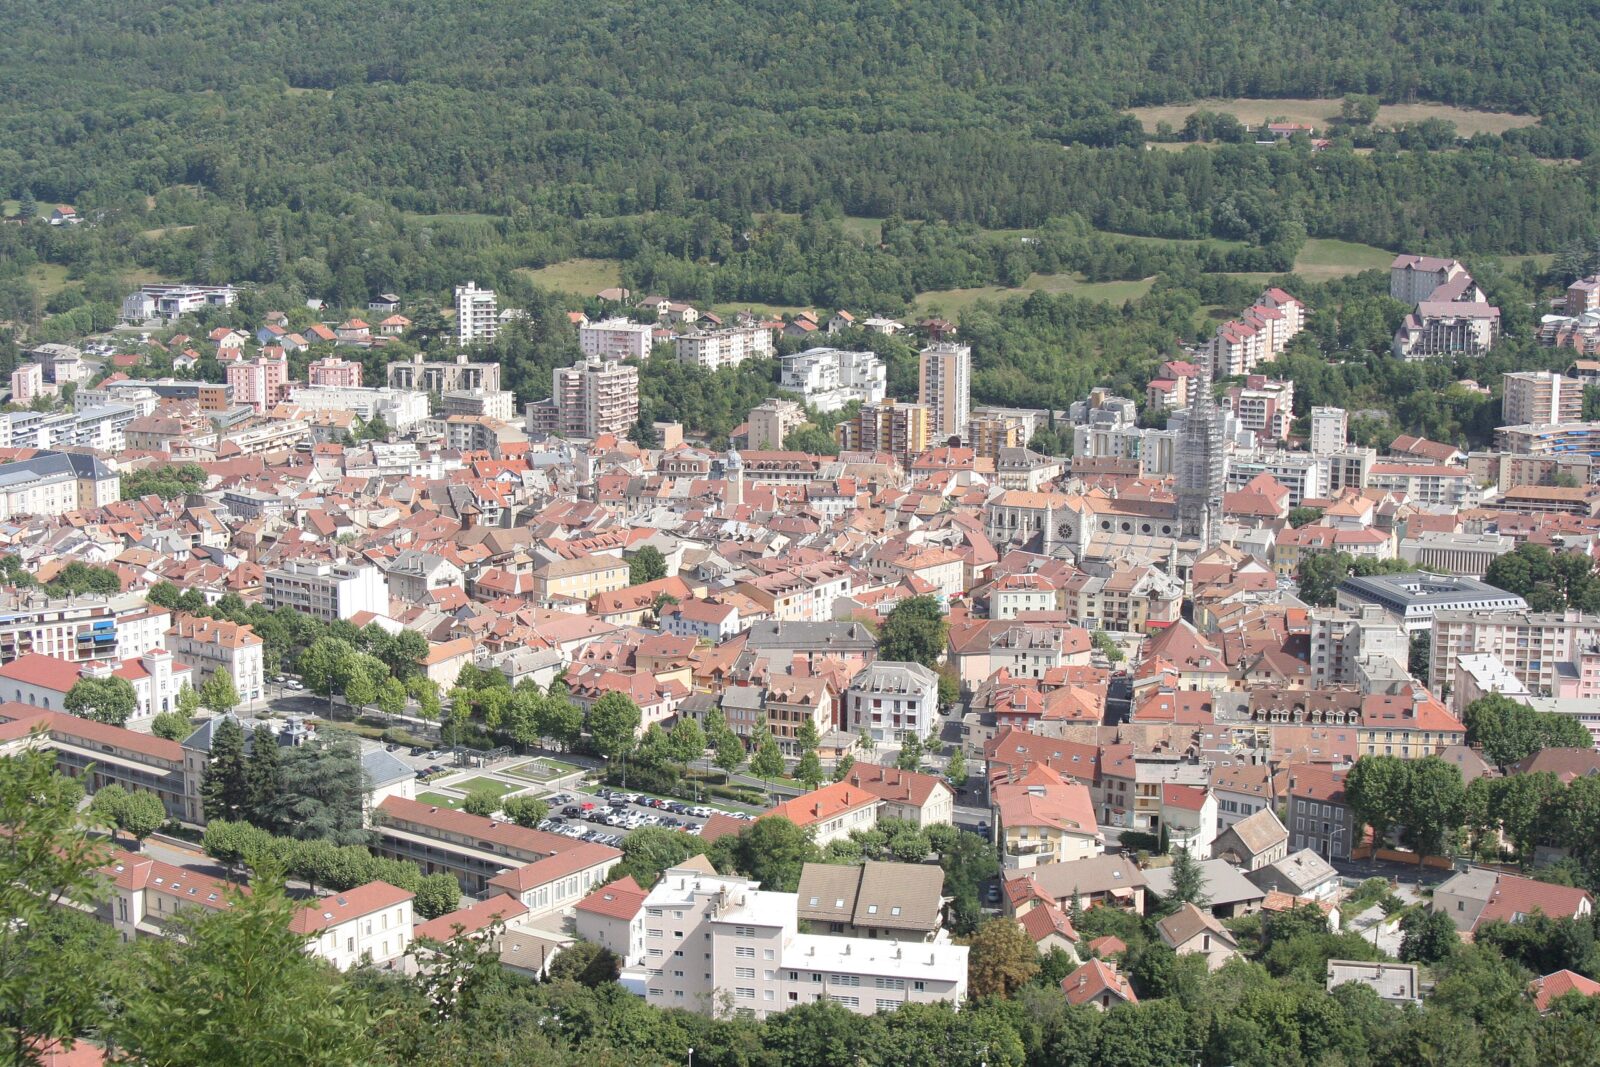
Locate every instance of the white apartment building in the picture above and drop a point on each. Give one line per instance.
(1553, 654)
(45, 682)
(210, 645)
(890, 699)
(401, 409)
(714, 349)
(829, 378)
(597, 396)
(477, 314)
(1330, 429)
(499, 404)
(370, 924)
(1540, 398)
(713, 940)
(326, 591)
(80, 629)
(944, 387)
(170, 302)
(617, 339)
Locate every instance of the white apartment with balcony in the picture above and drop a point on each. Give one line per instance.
(477, 314)
(715, 349)
(616, 339)
(715, 943)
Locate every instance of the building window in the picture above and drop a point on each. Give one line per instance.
(745, 993)
(745, 952)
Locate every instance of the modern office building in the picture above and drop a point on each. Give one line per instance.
(829, 378)
(1412, 599)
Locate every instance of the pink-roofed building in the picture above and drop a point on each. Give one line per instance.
(1040, 817)
(146, 894)
(1099, 985)
(475, 917)
(1552, 987)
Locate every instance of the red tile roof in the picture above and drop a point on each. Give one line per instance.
(621, 899)
(476, 916)
(1554, 986)
(824, 803)
(579, 857)
(1088, 982)
(336, 908)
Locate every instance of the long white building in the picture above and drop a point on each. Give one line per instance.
(400, 408)
(713, 939)
(714, 349)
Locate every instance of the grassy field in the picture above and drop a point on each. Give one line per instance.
(1317, 113)
(438, 800)
(162, 231)
(9, 208)
(581, 277)
(950, 302)
(49, 278)
(1322, 258)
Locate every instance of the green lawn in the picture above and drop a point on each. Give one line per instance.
(1326, 258)
(9, 208)
(485, 785)
(951, 302)
(581, 277)
(438, 800)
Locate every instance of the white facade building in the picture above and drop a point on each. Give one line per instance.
(714, 349)
(829, 378)
(327, 591)
(616, 339)
(891, 699)
(477, 314)
(711, 939)
(401, 409)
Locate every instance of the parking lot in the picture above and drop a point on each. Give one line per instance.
(609, 815)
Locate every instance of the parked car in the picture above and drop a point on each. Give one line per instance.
(572, 809)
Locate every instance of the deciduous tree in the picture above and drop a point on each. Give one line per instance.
(1001, 958)
(108, 700)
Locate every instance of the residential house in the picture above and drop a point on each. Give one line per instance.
(1194, 931)
(1253, 843)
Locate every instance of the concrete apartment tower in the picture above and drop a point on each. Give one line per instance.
(944, 387)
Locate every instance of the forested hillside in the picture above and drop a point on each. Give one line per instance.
(953, 109)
